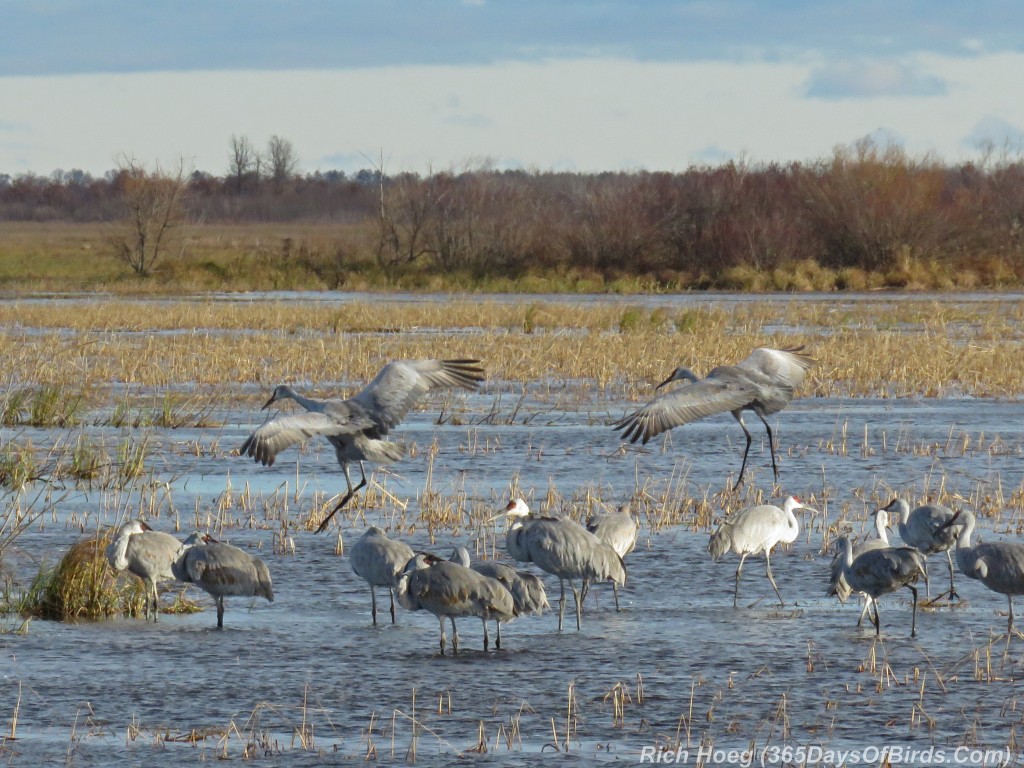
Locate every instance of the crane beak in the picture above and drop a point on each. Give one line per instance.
(669, 380)
(270, 402)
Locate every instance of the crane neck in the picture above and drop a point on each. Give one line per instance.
(880, 523)
(963, 541)
(117, 551)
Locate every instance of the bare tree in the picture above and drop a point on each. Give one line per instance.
(154, 212)
(281, 159)
(243, 160)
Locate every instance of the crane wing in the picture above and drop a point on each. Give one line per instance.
(284, 431)
(685, 404)
(394, 391)
(783, 368)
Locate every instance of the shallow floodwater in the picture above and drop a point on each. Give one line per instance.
(307, 680)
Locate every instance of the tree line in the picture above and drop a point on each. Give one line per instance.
(869, 207)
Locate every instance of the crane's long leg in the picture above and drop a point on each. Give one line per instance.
(952, 590)
(442, 634)
(373, 603)
(579, 605)
(913, 615)
(455, 635)
(739, 570)
(486, 639)
(615, 591)
(927, 586)
(768, 570)
(738, 415)
(875, 620)
(220, 612)
(497, 628)
(864, 610)
(561, 604)
(349, 495)
(771, 445)
(1009, 623)
(156, 603)
(392, 593)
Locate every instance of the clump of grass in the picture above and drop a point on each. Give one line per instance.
(47, 406)
(17, 466)
(82, 587)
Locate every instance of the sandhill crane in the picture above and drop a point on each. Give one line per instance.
(925, 530)
(222, 570)
(878, 572)
(449, 590)
(146, 553)
(617, 529)
(757, 529)
(527, 590)
(763, 383)
(999, 565)
(380, 562)
(837, 583)
(356, 427)
(561, 547)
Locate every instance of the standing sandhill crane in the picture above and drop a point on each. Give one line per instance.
(357, 427)
(146, 553)
(757, 529)
(380, 562)
(999, 565)
(561, 547)
(763, 383)
(449, 590)
(527, 590)
(925, 530)
(618, 530)
(878, 572)
(222, 570)
(837, 583)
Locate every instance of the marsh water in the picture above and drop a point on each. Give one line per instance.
(308, 680)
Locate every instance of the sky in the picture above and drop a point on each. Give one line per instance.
(540, 85)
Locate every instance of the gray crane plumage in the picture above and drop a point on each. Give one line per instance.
(757, 529)
(763, 383)
(562, 547)
(999, 565)
(222, 570)
(878, 572)
(449, 590)
(617, 529)
(838, 585)
(924, 528)
(147, 554)
(356, 427)
(380, 561)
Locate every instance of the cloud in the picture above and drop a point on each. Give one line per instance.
(871, 79)
(996, 132)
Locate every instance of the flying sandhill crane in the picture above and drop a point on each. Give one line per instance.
(757, 529)
(618, 530)
(999, 565)
(527, 590)
(837, 584)
(380, 562)
(878, 572)
(925, 529)
(146, 553)
(222, 570)
(449, 590)
(357, 427)
(763, 383)
(561, 547)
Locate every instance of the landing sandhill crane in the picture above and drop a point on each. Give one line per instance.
(763, 383)
(449, 590)
(357, 427)
(878, 572)
(837, 584)
(999, 565)
(380, 562)
(561, 547)
(527, 590)
(925, 529)
(146, 553)
(757, 529)
(222, 570)
(618, 530)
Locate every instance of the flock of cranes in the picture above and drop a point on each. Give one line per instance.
(581, 555)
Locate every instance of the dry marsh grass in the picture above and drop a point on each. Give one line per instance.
(876, 349)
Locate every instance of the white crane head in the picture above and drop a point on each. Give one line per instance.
(420, 561)
(281, 392)
(899, 507)
(679, 374)
(882, 518)
(460, 556)
(792, 503)
(515, 508)
(133, 527)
